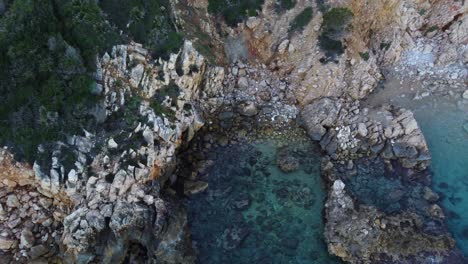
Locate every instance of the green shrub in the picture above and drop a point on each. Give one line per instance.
(47, 60)
(364, 55)
(385, 45)
(432, 28)
(234, 12)
(149, 23)
(162, 110)
(336, 23)
(322, 6)
(336, 20)
(301, 20)
(282, 5)
(172, 91)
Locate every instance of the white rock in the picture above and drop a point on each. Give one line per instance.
(27, 239)
(12, 201)
(283, 46)
(362, 129)
(253, 22)
(112, 144)
(338, 186)
(465, 94)
(72, 178)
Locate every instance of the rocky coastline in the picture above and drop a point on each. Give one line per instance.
(115, 194)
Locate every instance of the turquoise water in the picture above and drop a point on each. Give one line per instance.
(253, 212)
(442, 125)
(373, 184)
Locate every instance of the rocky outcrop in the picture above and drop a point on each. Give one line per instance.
(124, 202)
(114, 176)
(363, 234)
(347, 131)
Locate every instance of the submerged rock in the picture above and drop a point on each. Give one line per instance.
(194, 187)
(233, 237)
(286, 160)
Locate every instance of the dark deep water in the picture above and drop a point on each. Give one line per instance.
(253, 212)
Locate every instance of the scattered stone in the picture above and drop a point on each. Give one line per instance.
(26, 239)
(436, 212)
(12, 201)
(242, 204)
(243, 83)
(362, 129)
(248, 109)
(6, 244)
(233, 237)
(430, 195)
(37, 251)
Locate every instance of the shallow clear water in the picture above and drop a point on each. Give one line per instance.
(373, 185)
(442, 126)
(441, 120)
(253, 212)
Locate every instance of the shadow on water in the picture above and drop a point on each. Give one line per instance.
(253, 212)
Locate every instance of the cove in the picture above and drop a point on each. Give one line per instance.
(253, 212)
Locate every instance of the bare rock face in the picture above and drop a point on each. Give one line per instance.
(344, 130)
(114, 182)
(320, 115)
(248, 109)
(123, 203)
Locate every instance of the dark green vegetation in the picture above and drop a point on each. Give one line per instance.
(301, 20)
(364, 55)
(432, 28)
(283, 5)
(336, 23)
(47, 51)
(234, 11)
(322, 6)
(385, 45)
(47, 62)
(172, 91)
(146, 21)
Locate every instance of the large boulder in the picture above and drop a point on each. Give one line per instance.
(320, 115)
